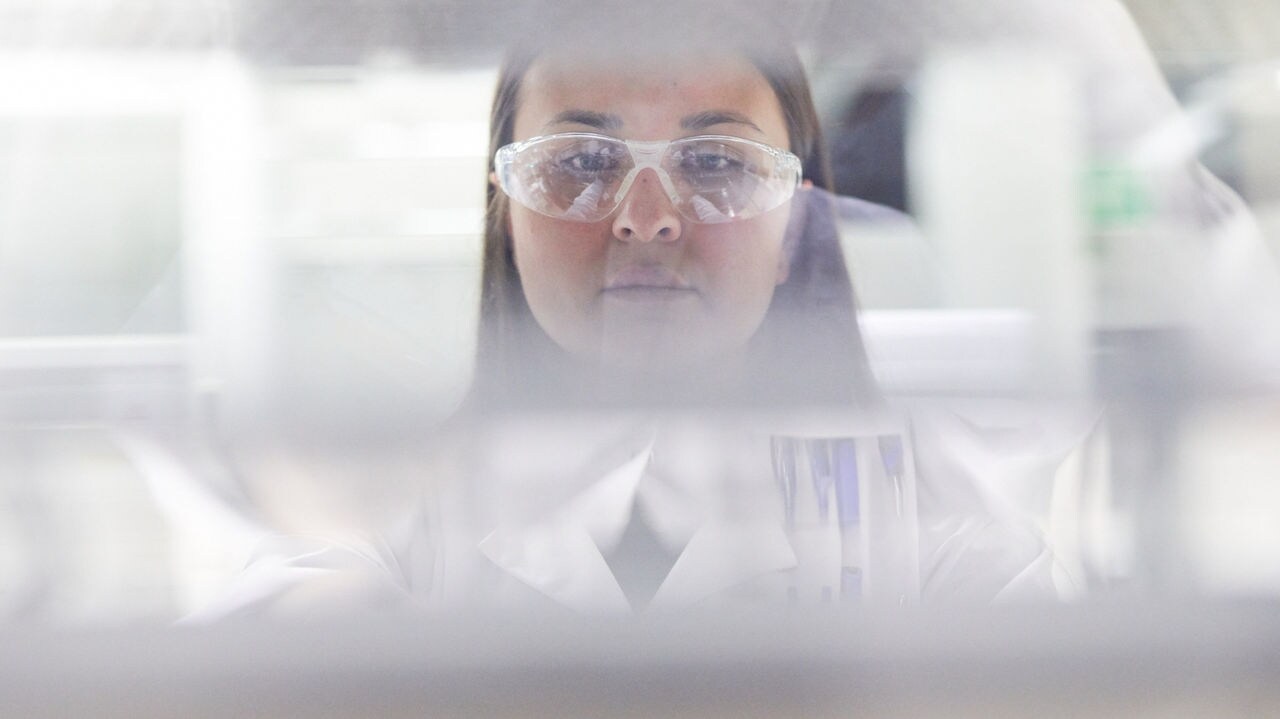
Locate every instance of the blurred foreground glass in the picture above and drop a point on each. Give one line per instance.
(283, 255)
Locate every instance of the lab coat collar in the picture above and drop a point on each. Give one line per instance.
(720, 556)
(561, 555)
(561, 561)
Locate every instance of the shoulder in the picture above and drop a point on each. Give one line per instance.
(844, 209)
(987, 474)
(309, 577)
(853, 209)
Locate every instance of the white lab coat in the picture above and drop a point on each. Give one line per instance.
(545, 512)
(523, 513)
(526, 511)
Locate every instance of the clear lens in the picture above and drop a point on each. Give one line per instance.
(573, 177)
(582, 176)
(719, 180)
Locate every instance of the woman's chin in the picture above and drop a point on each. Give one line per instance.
(655, 357)
(664, 373)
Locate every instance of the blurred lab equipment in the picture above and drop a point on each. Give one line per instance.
(270, 248)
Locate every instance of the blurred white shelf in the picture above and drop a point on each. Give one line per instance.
(949, 352)
(93, 352)
(86, 380)
(444, 250)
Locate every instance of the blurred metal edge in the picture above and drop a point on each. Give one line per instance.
(78, 380)
(814, 664)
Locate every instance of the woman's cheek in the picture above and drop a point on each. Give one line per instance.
(743, 271)
(560, 265)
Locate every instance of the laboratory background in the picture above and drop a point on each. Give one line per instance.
(216, 211)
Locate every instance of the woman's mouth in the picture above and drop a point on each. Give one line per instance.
(647, 283)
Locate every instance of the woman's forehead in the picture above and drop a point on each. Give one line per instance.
(649, 97)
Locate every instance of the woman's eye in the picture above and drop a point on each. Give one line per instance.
(714, 162)
(710, 162)
(591, 158)
(590, 162)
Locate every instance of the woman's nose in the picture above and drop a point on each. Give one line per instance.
(646, 213)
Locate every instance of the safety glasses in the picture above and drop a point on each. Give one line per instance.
(584, 176)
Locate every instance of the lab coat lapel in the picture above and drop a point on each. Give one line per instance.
(722, 555)
(560, 555)
(559, 560)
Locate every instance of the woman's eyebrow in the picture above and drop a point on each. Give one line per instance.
(707, 118)
(590, 118)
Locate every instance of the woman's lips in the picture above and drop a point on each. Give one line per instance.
(647, 283)
(642, 295)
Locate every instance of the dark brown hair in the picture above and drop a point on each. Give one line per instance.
(809, 347)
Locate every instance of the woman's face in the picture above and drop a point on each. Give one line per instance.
(645, 289)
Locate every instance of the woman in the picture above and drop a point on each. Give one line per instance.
(644, 295)
(657, 238)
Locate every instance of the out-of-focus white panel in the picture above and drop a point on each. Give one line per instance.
(49, 83)
(1230, 509)
(950, 352)
(996, 150)
(226, 262)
